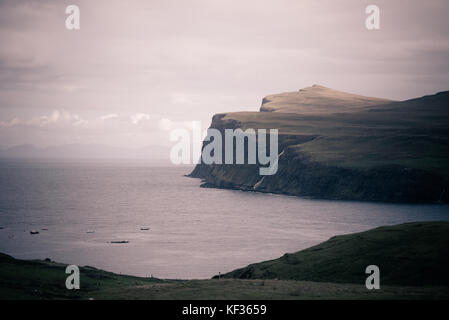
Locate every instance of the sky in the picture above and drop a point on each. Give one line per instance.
(135, 69)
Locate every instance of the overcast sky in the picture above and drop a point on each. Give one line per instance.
(137, 69)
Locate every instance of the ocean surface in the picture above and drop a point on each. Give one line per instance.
(80, 207)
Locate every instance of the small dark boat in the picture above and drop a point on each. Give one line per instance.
(34, 232)
(120, 241)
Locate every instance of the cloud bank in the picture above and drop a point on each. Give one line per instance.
(134, 64)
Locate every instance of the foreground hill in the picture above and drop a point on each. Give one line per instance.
(406, 254)
(343, 146)
(413, 254)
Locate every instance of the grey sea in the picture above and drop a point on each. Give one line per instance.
(174, 228)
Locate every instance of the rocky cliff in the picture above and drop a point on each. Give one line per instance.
(334, 145)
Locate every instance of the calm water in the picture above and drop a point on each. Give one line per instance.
(194, 232)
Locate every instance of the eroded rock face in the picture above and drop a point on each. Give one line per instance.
(301, 177)
(396, 152)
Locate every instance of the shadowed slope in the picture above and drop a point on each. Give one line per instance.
(407, 254)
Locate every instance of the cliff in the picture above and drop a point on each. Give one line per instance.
(334, 145)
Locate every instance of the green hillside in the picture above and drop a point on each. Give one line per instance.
(413, 259)
(413, 254)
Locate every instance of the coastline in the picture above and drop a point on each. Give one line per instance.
(45, 279)
(341, 150)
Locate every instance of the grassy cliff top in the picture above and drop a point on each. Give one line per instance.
(318, 100)
(412, 133)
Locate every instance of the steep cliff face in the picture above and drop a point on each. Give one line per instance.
(396, 151)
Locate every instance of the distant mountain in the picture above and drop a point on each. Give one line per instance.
(78, 151)
(334, 145)
(412, 254)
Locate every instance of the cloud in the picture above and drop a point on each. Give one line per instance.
(193, 59)
(11, 123)
(138, 117)
(168, 125)
(62, 127)
(55, 118)
(180, 98)
(109, 116)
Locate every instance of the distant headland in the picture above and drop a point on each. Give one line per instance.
(337, 145)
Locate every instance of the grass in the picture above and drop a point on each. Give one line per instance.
(410, 257)
(37, 279)
(236, 289)
(410, 133)
(32, 280)
(411, 254)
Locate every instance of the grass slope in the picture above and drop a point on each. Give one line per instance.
(37, 279)
(413, 254)
(407, 254)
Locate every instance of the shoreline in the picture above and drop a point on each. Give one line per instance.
(207, 185)
(281, 278)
